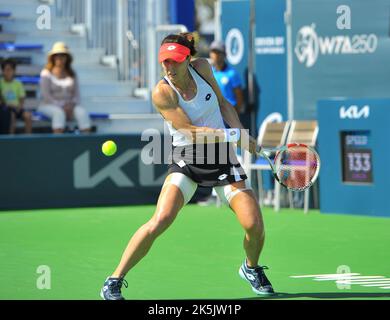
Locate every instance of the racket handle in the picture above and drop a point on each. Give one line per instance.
(258, 150)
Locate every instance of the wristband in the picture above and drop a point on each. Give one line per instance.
(232, 135)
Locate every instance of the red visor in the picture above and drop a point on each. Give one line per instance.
(173, 51)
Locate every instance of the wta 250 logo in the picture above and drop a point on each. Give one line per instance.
(309, 45)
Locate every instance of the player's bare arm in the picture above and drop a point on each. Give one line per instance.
(166, 102)
(239, 107)
(227, 110)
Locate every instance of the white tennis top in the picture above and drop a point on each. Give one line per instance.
(203, 109)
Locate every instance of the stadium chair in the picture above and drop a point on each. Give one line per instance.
(27, 74)
(33, 80)
(39, 116)
(28, 70)
(273, 135)
(5, 14)
(18, 59)
(31, 88)
(7, 37)
(42, 121)
(20, 47)
(304, 132)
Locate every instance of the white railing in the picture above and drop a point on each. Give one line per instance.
(126, 29)
(99, 18)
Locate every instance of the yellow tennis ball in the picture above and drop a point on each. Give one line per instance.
(109, 148)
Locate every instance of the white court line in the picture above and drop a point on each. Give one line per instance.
(376, 285)
(363, 281)
(350, 278)
(327, 275)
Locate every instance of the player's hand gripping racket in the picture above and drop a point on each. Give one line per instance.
(295, 166)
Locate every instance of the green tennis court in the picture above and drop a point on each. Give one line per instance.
(197, 258)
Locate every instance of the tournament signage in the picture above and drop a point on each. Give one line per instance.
(45, 171)
(309, 46)
(234, 46)
(235, 34)
(271, 59)
(340, 49)
(270, 92)
(352, 143)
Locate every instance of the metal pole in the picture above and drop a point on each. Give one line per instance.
(290, 92)
(122, 42)
(217, 21)
(119, 36)
(251, 65)
(88, 20)
(125, 40)
(151, 46)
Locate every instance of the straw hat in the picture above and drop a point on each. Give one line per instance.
(59, 47)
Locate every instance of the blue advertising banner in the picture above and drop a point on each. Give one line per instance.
(235, 21)
(270, 74)
(352, 144)
(235, 31)
(271, 60)
(183, 12)
(71, 171)
(341, 48)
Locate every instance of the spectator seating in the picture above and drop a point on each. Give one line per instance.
(5, 14)
(271, 135)
(105, 97)
(277, 134)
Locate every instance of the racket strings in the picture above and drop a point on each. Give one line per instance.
(297, 167)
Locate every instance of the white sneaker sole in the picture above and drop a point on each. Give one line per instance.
(242, 275)
(102, 295)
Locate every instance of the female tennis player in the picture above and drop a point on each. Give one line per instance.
(191, 103)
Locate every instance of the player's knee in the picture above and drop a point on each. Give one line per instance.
(255, 228)
(159, 223)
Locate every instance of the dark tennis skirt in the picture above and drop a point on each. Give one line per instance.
(209, 165)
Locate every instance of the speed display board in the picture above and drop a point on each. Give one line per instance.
(353, 143)
(356, 157)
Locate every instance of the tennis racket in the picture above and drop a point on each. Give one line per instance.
(295, 166)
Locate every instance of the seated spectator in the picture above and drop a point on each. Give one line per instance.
(60, 91)
(13, 95)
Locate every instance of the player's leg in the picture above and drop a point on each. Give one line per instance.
(169, 203)
(242, 201)
(176, 192)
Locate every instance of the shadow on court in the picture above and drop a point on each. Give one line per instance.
(323, 295)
